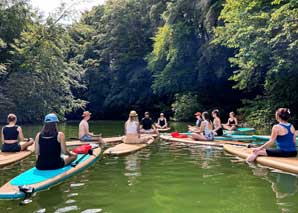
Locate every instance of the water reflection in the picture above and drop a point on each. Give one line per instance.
(132, 168)
(284, 185)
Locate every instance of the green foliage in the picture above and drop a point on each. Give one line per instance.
(149, 55)
(258, 112)
(40, 78)
(265, 34)
(183, 59)
(185, 105)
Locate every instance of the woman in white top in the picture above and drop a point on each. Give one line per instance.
(205, 132)
(132, 130)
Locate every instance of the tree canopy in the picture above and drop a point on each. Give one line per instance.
(176, 56)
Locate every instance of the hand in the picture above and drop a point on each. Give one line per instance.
(255, 150)
(71, 153)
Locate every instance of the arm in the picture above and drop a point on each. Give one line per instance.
(202, 127)
(138, 130)
(37, 145)
(21, 135)
(166, 122)
(293, 130)
(158, 120)
(153, 126)
(141, 124)
(2, 136)
(218, 124)
(61, 139)
(125, 127)
(272, 139)
(236, 121)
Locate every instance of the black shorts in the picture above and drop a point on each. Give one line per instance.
(11, 147)
(50, 164)
(219, 132)
(280, 153)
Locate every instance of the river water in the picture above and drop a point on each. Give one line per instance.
(164, 177)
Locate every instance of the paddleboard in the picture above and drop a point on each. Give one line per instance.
(124, 148)
(7, 158)
(165, 129)
(44, 179)
(234, 137)
(106, 140)
(285, 164)
(240, 131)
(208, 143)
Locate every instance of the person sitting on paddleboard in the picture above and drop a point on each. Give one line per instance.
(84, 134)
(162, 122)
(49, 143)
(205, 132)
(217, 123)
(232, 122)
(198, 123)
(12, 134)
(147, 126)
(284, 135)
(132, 130)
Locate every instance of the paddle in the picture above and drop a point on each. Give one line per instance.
(90, 152)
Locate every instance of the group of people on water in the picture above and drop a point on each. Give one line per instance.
(50, 142)
(205, 129)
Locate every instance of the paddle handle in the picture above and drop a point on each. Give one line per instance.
(90, 152)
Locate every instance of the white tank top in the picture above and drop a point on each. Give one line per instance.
(207, 130)
(132, 127)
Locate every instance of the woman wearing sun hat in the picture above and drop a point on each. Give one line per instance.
(49, 144)
(132, 130)
(84, 134)
(12, 134)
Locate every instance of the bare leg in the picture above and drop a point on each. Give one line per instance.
(233, 127)
(97, 138)
(68, 160)
(25, 145)
(254, 155)
(198, 137)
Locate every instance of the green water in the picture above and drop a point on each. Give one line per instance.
(164, 177)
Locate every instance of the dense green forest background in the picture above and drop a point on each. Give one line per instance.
(175, 56)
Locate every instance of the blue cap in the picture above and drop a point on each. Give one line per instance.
(50, 118)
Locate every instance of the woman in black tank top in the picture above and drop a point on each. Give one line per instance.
(12, 134)
(49, 144)
(232, 122)
(162, 122)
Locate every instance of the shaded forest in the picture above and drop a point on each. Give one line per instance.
(177, 56)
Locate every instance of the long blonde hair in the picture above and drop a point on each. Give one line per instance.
(132, 119)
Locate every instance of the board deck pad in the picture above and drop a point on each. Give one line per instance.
(34, 175)
(40, 180)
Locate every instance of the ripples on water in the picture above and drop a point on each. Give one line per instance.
(166, 177)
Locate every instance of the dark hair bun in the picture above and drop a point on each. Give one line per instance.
(284, 113)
